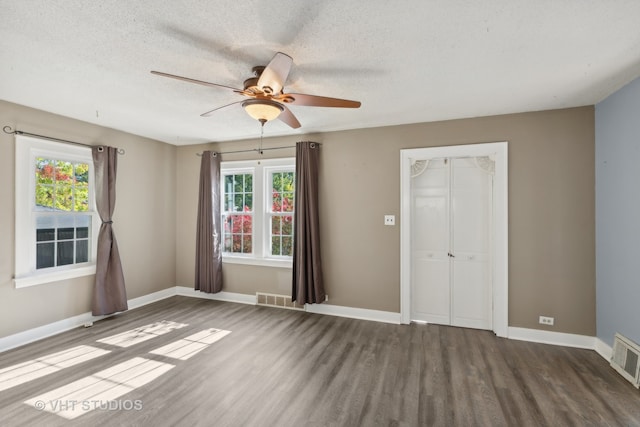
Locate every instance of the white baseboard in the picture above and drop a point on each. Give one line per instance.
(328, 309)
(354, 313)
(35, 334)
(149, 298)
(554, 338)
(220, 296)
(603, 349)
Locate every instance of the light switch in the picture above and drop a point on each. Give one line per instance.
(389, 220)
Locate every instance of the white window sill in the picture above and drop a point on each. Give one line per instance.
(263, 262)
(53, 276)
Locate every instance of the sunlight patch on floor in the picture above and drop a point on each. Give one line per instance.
(37, 368)
(98, 390)
(141, 334)
(187, 347)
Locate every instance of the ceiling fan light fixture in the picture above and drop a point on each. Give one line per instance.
(262, 109)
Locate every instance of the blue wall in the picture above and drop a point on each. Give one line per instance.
(618, 214)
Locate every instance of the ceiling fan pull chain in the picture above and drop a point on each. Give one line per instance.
(262, 122)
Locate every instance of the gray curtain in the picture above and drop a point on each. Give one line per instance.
(109, 294)
(208, 238)
(308, 287)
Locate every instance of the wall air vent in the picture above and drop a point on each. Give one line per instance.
(281, 301)
(626, 359)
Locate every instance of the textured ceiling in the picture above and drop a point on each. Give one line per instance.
(408, 62)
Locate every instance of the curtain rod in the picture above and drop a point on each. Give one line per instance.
(7, 129)
(258, 150)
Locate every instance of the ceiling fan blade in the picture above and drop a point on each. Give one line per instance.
(200, 82)
(288, 118)
(275, 74)
(317, 101)
(209, 113)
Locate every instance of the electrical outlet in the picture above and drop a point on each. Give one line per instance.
(544, 320)
(389, 220)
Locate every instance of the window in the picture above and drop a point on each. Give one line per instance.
(280, 212)
(257, 211)
(55, 212)
(237, 215)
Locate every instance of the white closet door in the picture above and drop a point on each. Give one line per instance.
(471, 202)
(451, 246)
(430, 299)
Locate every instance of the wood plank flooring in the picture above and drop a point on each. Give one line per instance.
(289, 368)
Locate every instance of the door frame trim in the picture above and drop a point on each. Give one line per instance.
(498, 150)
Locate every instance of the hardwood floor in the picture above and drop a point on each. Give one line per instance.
(289, 368)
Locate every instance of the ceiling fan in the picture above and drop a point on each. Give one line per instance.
(267, 97)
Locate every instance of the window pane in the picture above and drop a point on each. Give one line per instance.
(44, 195)
(237, 243)
(282, 193)
(63, 172)
(246, 244)
(246, 224)
(82, 232)
(82, 251)
(227, 243)
(248, 202)
(45, 234)
(65, 253)
(275, 245)
(287, 246)
(236, 224)
(64, 197)
(276, 224)
(276, 181)
(238, 183)
(276, 202)
(248, 183)
(238, 204)
(287, 202)
(44, 255)
(228, 203)
(287, 225)
(81, 197)
(65, 233)
(44, 171)
(81, 173)
(228, 183)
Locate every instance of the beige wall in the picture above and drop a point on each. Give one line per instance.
(551, 213)
(144, 220)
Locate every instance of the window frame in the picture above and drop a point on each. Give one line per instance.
(261, 232)
(27, 150)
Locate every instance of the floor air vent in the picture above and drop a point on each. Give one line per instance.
(281, 301)
(626, 359)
